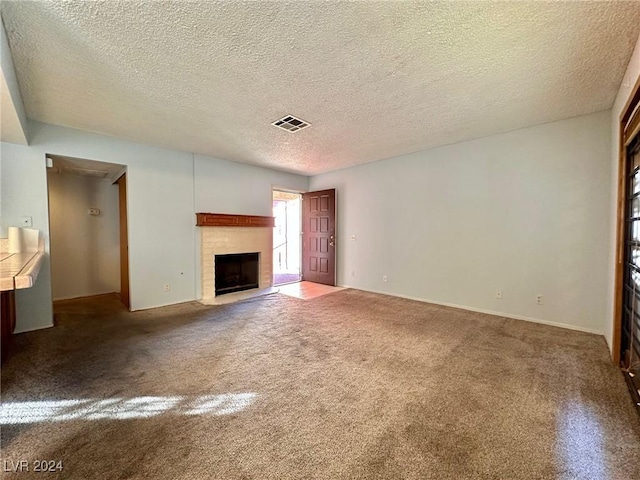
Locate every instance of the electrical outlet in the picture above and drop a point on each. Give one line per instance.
(167, 287)
(384, 278)
(539, 299)
(499, 294)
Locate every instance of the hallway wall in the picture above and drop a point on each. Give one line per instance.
(85, 249)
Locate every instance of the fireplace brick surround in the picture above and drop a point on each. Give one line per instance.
(220, 240)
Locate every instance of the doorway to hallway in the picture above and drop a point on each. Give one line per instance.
(87, 228)
(287, 253)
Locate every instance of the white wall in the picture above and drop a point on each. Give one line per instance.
(12, 113)
(85, 249)
(24, 192)
(161, 209)
(526, 212)
(628, 81)
(230, 187)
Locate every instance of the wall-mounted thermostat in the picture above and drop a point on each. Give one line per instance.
(94, 211)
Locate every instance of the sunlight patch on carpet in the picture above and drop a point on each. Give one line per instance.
(580, 443)
(12, 413)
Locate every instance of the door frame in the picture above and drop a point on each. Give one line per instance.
(123, 212)
(632, 102)
(299, 192)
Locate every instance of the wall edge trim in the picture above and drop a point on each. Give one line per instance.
(488, 312)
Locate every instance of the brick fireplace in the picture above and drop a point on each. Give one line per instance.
(234, 234)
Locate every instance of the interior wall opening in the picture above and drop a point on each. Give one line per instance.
(88, 252)
(287, 245)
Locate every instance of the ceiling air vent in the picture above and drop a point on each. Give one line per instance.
(291, 123)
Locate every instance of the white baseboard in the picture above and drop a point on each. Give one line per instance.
(73, 297)
(488, 312)
(33, 329)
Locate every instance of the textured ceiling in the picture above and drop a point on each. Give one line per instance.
(375, 79)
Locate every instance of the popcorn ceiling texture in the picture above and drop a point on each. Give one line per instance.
(375, 80)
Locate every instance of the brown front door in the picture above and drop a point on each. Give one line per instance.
(124, 242)
(319, 237)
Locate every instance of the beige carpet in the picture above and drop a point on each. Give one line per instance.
(347, 385)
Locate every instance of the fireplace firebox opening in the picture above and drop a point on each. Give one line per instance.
(236, 272)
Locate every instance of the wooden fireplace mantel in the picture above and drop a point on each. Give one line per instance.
(225, 220)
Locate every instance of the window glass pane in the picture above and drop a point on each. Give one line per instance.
(635, 259)
(635, 230)
(634, 210)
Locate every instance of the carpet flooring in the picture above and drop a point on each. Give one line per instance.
(347, 385)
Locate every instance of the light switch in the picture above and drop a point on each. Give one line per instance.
(26, 222)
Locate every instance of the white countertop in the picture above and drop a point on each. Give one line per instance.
(19, 270)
